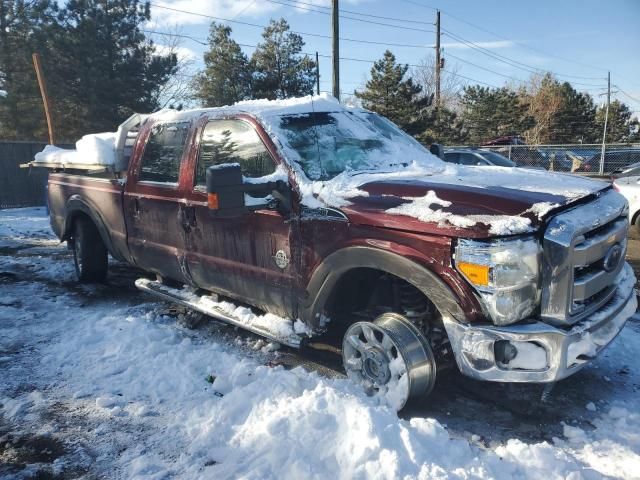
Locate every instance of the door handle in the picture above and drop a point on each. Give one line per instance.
(136, 207)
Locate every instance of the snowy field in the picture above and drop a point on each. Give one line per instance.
(105, 382)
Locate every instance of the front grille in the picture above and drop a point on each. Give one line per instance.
(583, 253)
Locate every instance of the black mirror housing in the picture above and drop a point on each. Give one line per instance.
(437, 150)
(226, 190)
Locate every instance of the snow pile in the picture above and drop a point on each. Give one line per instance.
(131, 365)
(421, 208)
(279, 326)
(93, 149)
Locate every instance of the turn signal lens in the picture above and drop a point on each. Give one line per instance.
(476, 274)
(213, 201)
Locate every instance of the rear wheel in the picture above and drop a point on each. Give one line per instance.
(390, 358)
(89, 252)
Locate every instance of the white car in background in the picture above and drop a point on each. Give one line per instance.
(630, 188)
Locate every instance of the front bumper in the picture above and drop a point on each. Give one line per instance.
(567, 351)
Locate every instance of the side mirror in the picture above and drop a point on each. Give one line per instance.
(437, 150)
(226, 192)
(224, 189)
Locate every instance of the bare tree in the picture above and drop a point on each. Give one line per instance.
(544, 98)
(178, 92)
(450, 84)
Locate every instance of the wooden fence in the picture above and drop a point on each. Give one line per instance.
(21, 187)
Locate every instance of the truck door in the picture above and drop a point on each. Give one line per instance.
(153, 201)
(246, 257)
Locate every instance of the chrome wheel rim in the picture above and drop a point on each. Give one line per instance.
(390, 359)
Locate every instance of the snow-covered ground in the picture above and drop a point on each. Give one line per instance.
(103, 382)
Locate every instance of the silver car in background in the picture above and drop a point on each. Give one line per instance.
(629, 187)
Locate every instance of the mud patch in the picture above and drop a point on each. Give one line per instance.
(32, 456)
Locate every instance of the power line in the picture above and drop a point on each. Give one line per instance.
(318, 35)
(469, 78)
(350, 18)
(178, 35)
(484, 68)
(517, 43)
(507, 60)
(626, 94)
(296, 2)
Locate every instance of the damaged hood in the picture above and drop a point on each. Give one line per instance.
(464, 201)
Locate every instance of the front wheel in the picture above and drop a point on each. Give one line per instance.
(391, 358)
(89, 252)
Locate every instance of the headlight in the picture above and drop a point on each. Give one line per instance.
(505, 273)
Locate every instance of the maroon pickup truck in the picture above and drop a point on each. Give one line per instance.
(308, 222)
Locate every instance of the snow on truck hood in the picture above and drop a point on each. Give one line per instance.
(489, 200)
(419, 191)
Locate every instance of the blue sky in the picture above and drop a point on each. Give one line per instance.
(578, 40)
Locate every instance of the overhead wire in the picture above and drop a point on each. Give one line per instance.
(296, 2)
(502, 37)
(455, 37)
(318, 35)
(345, 17)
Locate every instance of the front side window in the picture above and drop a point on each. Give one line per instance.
(163, 153)
(233, 141)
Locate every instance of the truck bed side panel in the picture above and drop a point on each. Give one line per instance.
(99, 198)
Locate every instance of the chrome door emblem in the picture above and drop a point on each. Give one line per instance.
(612, 258)
(281, 259)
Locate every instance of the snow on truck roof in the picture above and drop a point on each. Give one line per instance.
(290, 106)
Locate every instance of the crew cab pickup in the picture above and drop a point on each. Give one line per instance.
(309, 222)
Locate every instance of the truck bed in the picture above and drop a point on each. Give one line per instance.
(103, 196)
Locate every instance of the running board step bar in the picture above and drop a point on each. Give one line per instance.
(208, 304)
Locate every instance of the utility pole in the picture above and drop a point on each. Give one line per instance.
(437, 58)
(317, 74)
(335, 19)
(606, 118)
(45, 97)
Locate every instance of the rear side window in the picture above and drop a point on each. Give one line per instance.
(163, 153)
(233, 141)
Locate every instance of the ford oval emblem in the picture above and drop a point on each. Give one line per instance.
(612, 258)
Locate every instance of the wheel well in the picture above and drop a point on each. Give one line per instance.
(634, 218)
(72, 220)
(365, 293)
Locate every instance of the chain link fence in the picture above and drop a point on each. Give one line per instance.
(585, 159)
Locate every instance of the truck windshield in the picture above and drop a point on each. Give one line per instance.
(326, 144)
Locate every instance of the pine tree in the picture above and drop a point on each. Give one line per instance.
(111, 69)
(280, 70)
(444, 126)
(395, 97)
(494, 112)
(226, 78)
(25, 28)
(574, 122)
(621, 127)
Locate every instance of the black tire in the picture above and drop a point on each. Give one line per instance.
(89, 252)
(636, 224)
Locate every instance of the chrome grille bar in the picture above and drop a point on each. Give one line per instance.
(574, 283)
